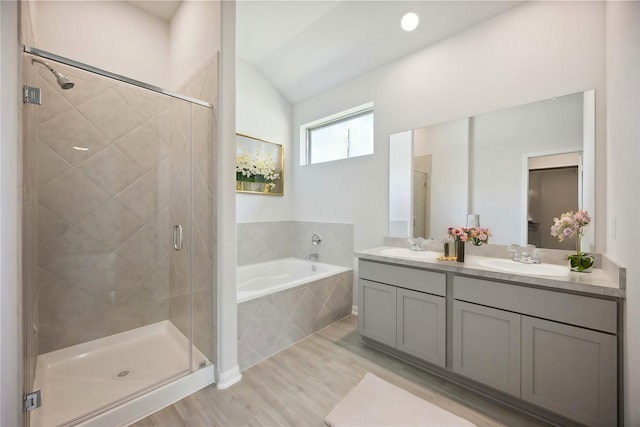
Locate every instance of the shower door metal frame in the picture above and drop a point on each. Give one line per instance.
(109, 74)
(28, 388)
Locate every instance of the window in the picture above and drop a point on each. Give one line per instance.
(341, 136)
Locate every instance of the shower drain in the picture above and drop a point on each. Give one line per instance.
(122, 374)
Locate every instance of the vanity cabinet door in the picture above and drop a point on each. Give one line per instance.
(377, 311)
(486, 346)
(421, 329)
(570, 370)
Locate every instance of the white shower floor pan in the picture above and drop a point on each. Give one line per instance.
(77, 380)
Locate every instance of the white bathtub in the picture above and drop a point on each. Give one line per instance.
(257, 280)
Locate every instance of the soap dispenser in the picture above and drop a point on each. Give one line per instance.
(449, 246)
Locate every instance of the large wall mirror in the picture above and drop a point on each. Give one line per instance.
(516, 168)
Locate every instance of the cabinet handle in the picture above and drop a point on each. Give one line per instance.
(177, 237)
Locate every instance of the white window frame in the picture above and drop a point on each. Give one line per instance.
(305, 130)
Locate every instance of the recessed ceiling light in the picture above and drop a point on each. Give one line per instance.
(410, 21)
(80, 148)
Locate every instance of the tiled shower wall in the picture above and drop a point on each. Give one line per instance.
(103, 189)
(197, 124)
(106, 211)
(266, 241)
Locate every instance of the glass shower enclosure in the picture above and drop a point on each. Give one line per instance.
(118, 238)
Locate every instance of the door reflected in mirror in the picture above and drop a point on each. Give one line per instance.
(554, 183)
(488, 164)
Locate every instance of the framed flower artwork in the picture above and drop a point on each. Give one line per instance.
(259, 166)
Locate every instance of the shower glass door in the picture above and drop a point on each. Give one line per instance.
(108, 227)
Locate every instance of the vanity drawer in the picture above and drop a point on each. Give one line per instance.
(587, 312)
(404, 277)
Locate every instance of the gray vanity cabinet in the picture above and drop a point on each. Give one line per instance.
(377, 311)
(421, 325)
(486, 346)
(407, 311)
(551, 350)
(569, 370)
(564, 362)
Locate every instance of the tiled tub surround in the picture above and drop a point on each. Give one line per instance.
(272, 322)
(265, 241)
(105, 214)
(337, 242)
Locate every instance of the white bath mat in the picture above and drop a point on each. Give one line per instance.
(376, 403)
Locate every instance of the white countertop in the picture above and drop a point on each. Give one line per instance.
(597, 282)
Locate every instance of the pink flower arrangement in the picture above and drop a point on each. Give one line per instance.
(477, 236)
(570, 225)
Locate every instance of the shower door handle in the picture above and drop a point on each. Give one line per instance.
(177, 237)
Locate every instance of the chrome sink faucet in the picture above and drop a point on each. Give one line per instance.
(525, 254)
(417, 244)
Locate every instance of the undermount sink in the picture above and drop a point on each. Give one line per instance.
(407, 253)
(511, 266)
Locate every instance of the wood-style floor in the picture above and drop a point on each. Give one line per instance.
(300, 385)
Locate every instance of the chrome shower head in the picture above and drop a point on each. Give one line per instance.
(62, 80)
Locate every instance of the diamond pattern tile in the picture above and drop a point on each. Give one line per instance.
(50, 165)
(106, 211)
(203, 212)
(202, 264)
(210, 88)
(150, 243)
(110, 225)
(70, 129)
(149, 194)
(160, 126)
(50, 226)
(72, 196)
(290, 315)
(110, 280)
(110, 170)
(87, 86)
(145, 103)
(110, 114)
(54, 103)
(72, 255)
(143, 147)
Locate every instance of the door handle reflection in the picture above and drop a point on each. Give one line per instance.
(177, 237)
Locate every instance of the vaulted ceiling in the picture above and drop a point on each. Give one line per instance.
(306, 47)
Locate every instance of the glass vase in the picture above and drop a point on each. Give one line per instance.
(460, 250)
(581, 262)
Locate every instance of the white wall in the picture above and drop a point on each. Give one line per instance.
(118, 37)
(521, 56)
(194, 37)
(228, 369)
(400, 184)
(623, 176)
(448, 143)
(111, 35)
(10, 296)
(262, 112)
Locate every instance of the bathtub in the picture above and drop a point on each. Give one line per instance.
(281, 302)
(257, 280)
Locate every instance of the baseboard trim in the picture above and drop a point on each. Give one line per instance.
(228, 378)
(354, 310)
